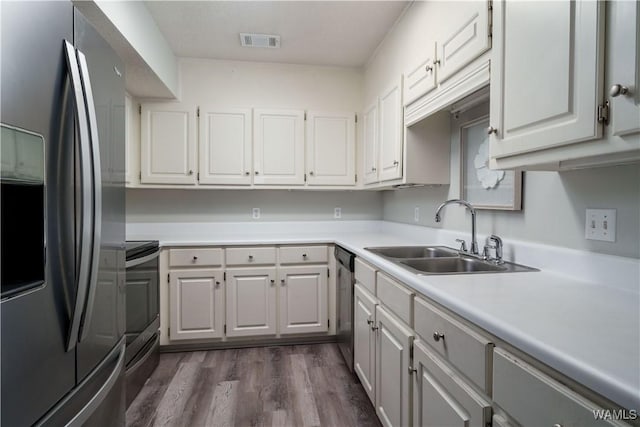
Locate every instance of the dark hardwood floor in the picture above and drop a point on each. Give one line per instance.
(301, 385)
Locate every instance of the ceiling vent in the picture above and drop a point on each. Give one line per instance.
(260, 40)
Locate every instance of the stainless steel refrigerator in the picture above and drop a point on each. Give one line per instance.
(62, 213)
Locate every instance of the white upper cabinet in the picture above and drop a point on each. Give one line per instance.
(168, 143)
(370, 143)
(623, 46)
(466, 36)
(128, 140)
(331, 148)
(225, 146)
(391, 133)
(421, 78)
(279, 147)
(546, 75)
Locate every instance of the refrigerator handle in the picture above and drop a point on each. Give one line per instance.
(97, 193)
(86, 204)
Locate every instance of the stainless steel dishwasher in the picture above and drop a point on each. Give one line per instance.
(344, 303)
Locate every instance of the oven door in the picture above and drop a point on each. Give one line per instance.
(143, 311)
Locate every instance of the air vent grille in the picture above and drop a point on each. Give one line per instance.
(260, 40)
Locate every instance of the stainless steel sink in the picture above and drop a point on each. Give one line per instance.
(405, 252)
(427, 260)
(451, 265)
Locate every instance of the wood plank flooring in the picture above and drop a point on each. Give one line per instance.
(300, 385)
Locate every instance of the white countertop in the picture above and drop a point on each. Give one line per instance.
(579, 315)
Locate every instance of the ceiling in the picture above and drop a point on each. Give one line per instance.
(334, 33)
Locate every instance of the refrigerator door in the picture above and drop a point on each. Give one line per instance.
(37, 371)
(103, 322)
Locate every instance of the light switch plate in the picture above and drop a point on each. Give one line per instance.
(255, 213)
(337, 213)
(416, 214)
(600, 224)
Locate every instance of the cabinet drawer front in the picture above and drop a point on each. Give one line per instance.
(533, 398)
(467, 350)
(303, 254)
(251, 256)
(195, 257)
(365, 275)
(441, 397)
(395, 297)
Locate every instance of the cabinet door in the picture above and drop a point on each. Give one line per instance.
(279, 147)
(393, 388)
(303, 299)
(466, 37)
(364, 340)
(225, 146)
(624, 36)
(196, 304)
(391, 133)
(331, 148)
(370, 142)
(251, 301)
(545, 85)
(168, 143)
(441, 397)
(128, 138)
(422, 77)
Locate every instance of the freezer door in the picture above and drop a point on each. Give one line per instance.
(103, 322)
(37, 371)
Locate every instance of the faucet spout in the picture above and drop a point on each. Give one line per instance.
(474, 244)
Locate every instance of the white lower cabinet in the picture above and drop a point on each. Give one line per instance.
(533, 398)
(303, 299)
(251, 301)
(364, 340)
(393, 359)
(441, 397)
(197, 304)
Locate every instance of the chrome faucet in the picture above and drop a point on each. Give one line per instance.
(497, 245)
(474, 243)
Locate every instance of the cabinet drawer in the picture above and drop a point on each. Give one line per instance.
(395, 297)
(251, 256)
(467, 350)
(303, 254)
(195, 257)
(365, 275)
(533, 398)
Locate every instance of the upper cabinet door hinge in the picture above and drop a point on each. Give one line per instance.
(603, 113)
(305, 115)
(490, 18)
(139, 108)
(328, 274)
(168, 278)
(198, 112)
(224, 276)
(356, 118)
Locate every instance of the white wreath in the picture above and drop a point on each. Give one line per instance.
(488, 178)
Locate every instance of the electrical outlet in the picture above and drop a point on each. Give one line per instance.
(600, 224)
(255, 213)
(337, 213)
(416, 214)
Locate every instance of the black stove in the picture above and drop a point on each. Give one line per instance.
(139, 248)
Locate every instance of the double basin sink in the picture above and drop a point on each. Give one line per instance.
(443, 260)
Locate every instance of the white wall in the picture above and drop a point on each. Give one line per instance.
(229, 205)
(269, 85)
